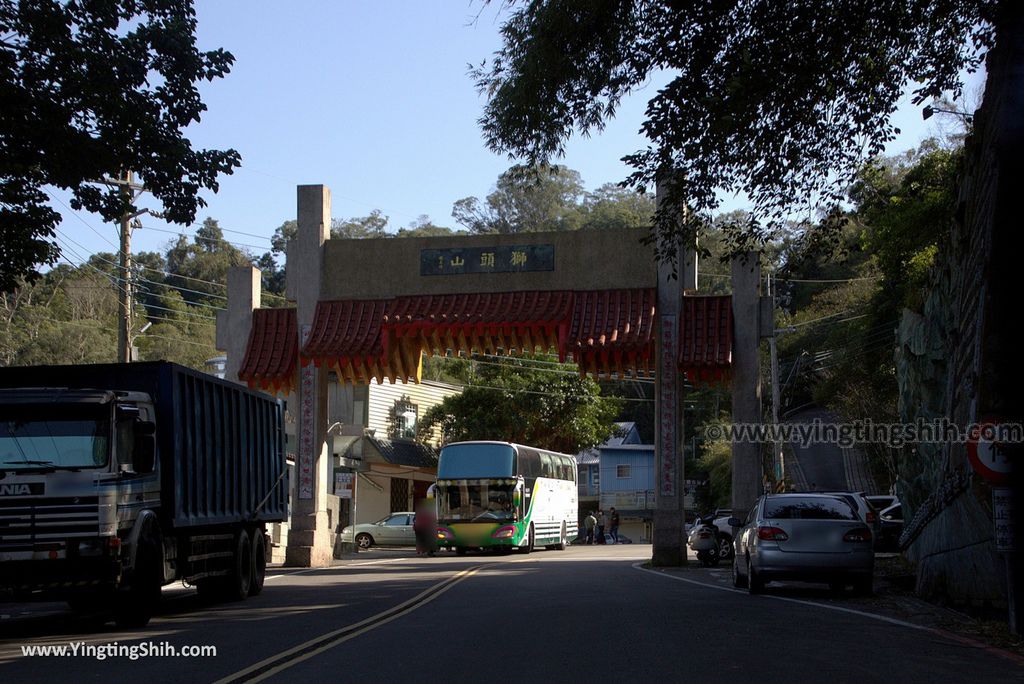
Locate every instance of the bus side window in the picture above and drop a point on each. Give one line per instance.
(570, 472)
(546, 466)
(563, 468)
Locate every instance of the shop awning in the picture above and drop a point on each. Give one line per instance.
(272, 354)
(705, 338)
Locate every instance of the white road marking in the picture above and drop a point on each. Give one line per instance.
(839, 609)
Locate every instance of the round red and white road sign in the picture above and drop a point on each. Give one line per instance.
(988, 452)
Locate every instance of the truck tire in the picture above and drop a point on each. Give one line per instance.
(259, 562)
(239, 580)
(135, 605)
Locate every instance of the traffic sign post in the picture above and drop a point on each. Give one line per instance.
(988, 451)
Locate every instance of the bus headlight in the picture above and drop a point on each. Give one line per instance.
(506, 532)
(445, 534)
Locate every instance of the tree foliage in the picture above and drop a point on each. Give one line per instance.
(778, 101)
(544, 197)
(89, 91)
(550, 407)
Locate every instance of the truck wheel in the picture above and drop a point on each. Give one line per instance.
(134, 606)
(238, 582)
(259, 562)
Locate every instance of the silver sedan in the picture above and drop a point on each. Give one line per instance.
(803, 537)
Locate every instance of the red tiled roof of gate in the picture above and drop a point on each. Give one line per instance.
(525, 321)
(345, 336)
(271, 353)
(612, 331)
(705, 338)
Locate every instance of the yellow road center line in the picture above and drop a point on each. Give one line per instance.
(340, 636)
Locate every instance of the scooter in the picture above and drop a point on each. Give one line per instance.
(704, 540)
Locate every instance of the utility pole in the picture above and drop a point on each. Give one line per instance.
(130, 191)
(777, 459)
(124, 293)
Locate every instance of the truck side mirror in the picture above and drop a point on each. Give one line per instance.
(144, 451)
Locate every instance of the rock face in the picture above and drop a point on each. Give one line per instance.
(945, 366)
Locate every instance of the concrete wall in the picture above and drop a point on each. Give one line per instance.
(584, 260)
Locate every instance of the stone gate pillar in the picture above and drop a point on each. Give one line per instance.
(233, 324)
(747, 476)
(669, 545)
(309, 538)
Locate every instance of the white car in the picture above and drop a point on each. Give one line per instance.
(394, 530)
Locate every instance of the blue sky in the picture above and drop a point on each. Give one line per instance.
(371, 99)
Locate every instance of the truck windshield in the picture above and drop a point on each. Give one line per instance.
(36, 438)
(480, 500)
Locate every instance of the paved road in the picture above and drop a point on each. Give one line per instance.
(588, 613)
(822, 464)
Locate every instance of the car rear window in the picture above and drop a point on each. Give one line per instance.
(808, 508)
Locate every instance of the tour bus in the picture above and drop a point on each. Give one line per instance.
(503, 496)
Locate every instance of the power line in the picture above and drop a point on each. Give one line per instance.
(175, 339)
(204, 239)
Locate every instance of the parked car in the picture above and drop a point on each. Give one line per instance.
(859, 502)
(890, 527)
(881, 501)
(394, 530)
(803, 537)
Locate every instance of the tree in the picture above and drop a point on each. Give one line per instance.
(612, 206)
(199, 269)
(423, 227)
(372, 226)
(90, 90)
(516, 401)
(787, 122)
(526, 199)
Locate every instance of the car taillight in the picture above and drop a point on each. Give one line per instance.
(871, 517)
(772, 534)
(861, 534)
(506, 532)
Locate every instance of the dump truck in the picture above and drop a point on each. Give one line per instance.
(118, 479)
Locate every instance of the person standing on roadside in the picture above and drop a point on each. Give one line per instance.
(589, 523)
(613, 525)
(602, 525)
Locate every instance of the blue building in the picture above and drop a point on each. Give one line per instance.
(620, 473)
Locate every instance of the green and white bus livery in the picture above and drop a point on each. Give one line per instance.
(504, 496)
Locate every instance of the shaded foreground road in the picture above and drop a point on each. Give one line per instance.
(586, 613)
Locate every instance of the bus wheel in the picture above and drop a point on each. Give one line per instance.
(529, 544)
(563, 540)
(460, 550)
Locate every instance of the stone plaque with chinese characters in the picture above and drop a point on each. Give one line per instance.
(503, 259)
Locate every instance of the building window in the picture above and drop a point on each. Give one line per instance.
(622, 471)
(596, 472)
(404, 418)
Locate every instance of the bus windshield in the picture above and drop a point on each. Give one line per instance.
(471, 460)
(476, 500)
